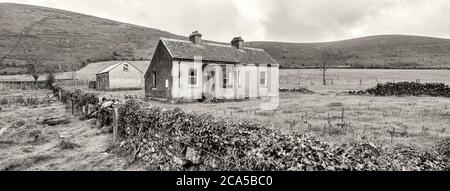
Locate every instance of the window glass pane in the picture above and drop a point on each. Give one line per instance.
(154, 78)
(227, 80)
(262, 79)
(192, 78)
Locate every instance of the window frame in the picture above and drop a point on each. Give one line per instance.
(261, 78)
(126, 68)
(193, 78)
(154, 79)
(227, 77)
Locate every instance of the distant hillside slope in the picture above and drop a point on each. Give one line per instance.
(70, 40)
(385, 51)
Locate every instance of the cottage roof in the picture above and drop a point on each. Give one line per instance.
(109, 68)
(183, 49)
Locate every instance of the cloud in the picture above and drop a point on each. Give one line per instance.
(274, 20)
(325, 20)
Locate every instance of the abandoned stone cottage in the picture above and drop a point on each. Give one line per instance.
(195, 70)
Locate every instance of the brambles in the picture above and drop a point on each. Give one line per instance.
(443, 148)
(163, 137)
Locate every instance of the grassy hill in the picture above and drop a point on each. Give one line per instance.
(69, 41)
(384, 51)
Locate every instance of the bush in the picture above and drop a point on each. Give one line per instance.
(50, 80)
(161, 137)
(4, 101)
(407, 89)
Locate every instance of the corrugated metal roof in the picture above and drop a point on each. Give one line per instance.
(182, 49)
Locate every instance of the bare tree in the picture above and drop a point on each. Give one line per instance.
(34, 58)
(328, 57)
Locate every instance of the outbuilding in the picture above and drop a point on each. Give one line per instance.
(120, 76)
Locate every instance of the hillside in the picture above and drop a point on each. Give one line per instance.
(69, 41)
(384, 51)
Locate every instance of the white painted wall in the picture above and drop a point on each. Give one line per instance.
(180, 81)
(119, 79)
(245, 81)
(274, 90)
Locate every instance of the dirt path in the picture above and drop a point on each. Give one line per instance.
(25, 144)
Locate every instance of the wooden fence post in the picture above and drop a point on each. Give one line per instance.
(116, 123)
(71, 101)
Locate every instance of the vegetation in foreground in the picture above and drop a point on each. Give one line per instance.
(45, 136)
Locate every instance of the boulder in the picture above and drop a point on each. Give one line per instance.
(92, 123)
(55, 121)
(194, 155)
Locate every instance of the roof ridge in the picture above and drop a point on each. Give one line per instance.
(212, 51)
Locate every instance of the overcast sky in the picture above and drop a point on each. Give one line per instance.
(272, 20)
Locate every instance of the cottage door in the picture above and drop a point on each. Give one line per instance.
(209, 87)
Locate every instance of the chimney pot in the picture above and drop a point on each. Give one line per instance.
(196, 37)
(238, 42)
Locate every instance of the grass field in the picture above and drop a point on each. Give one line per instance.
(413, 121)
(356, 79)
(337, 119)
(26, 144)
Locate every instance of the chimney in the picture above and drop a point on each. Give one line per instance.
(196, 38)
(238, 42)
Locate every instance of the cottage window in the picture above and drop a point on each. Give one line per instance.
(227, 83)
(263, 78)
(125, 67)
(154, 79)
(192, 77)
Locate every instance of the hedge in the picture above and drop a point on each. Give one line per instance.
(162, 137)
(172, 139)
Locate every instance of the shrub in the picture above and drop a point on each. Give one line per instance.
(50, 80)
(161, 137)
(407, 89)
(4, 101)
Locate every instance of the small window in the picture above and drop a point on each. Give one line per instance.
(227, 79)
(263, 78)
(192, 77)
(154, 78)
(125, 67)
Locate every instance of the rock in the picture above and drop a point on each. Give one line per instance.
(335, 104)
(55, 121)
(194, 155)
(92, 123)
(65, 135)
(107, 104)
